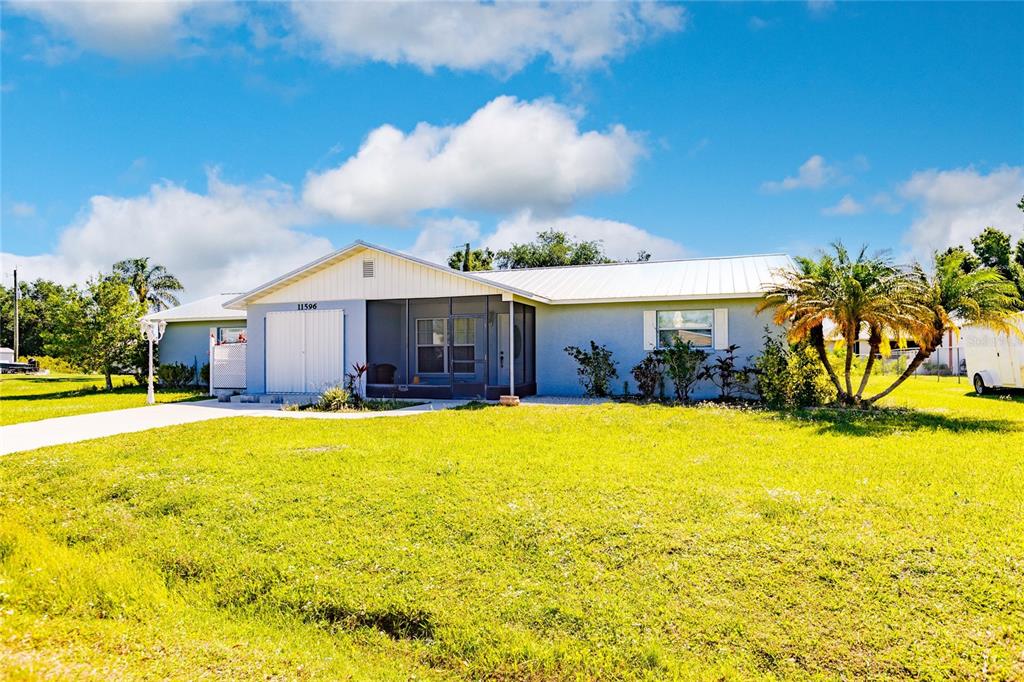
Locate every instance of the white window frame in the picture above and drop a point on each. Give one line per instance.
(443, 345)
(220, 335)
(658, 329)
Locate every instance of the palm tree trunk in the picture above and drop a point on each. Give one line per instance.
(817, 339)
(874, 341)
(850, 340)
(922, 354)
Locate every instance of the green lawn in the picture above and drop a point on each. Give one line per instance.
(30, 398)
(541, 542)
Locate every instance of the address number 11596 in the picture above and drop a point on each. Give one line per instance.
(305, 306)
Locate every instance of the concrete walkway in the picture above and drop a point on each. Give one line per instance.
(61, 430)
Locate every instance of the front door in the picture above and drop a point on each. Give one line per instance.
(507, 356)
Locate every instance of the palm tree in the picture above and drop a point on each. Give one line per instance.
(952, 297)
(152, 284)
(851, 293)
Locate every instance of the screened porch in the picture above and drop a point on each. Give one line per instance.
(461, 347)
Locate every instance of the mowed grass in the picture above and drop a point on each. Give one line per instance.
(611, 541)
(30, 398)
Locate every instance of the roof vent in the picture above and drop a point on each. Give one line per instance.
(368, 268)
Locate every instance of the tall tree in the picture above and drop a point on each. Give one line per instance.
(992, 247)
(153, 285)
(853, 293)
(552, 248)
(952, 297)
(479, 259)
(34, 314)
(97, 329)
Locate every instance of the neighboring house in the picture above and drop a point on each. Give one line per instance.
(194, 327)
(425, 330)
(947, 358)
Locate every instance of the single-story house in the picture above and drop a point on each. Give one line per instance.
(194, 328)
(427, 331)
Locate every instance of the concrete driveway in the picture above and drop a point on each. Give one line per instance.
(61, 430)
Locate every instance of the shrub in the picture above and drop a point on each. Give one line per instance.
(354, 384)
(647, 374)
(684, 364)
(175, 375)
(334, 399)
(204, 374)
(791, 376)
(596, 369)
(810, 385)
(54, 365)
(773, 376)
(725, 373)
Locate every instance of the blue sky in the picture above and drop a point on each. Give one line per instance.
(233, 142)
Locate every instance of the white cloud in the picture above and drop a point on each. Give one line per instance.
(955, 205)
(756, 23)
(125, 29)
(814, 173)
(884, 201)
(439, 238)
(508, 155)
(231, 238)
(621, 241)
(846, 206)
(503, 36)
(23, 209)
(819, 8)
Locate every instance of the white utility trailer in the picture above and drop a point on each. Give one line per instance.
(994, 359)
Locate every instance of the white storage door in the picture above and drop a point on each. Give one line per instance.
(284, 352)
(305, 350)
(325, 357)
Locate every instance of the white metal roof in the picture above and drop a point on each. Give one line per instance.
(209, 308)
(696, 278)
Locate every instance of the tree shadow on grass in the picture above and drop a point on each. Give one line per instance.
(473, 405)
(887, 421)
(1009, 395)
(200, 394)
(53, 395)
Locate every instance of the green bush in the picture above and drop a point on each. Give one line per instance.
(647, 374)
(204, 374)
(595, 368)
(334, 399)
(54, 365)
(727, 374)
(791, 376)
(684, 365)
(175, 375)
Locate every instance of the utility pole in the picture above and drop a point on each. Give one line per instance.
(465, 259)
(16, 356)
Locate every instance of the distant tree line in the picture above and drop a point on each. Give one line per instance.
(551, 248)
(94, 327)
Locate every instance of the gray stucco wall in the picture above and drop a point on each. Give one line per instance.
(189, 342)
(255, 358)
(620, 327)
